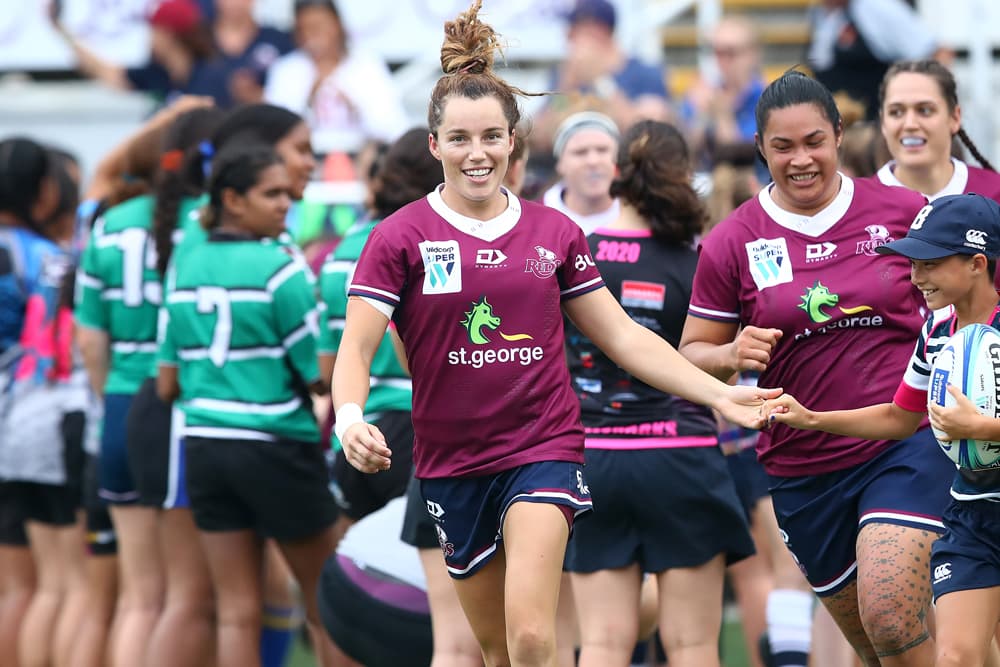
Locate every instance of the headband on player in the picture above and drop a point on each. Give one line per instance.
(584, 120)
(966, 224)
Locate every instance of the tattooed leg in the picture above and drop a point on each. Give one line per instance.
(894, 592)
(843, 607)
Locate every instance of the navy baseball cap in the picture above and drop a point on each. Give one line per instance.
(966, 224)
(600, 11)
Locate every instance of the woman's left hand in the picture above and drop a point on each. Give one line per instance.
(744, 405)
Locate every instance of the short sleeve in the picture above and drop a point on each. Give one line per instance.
(912, 392)
(715, 291)
(578, 275)
(166, 353)
(297, 317)
(380, 273)
(333, 282)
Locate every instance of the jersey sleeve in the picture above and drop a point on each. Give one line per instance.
(578, 275)
(166, 352)
(381, 273)
(715, 291)
(90, 311)
(297, 317)
(911, 394)
(333, 282)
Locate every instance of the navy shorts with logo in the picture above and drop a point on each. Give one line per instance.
(469, 512)
(967, 556)
(662, 508)
(114, 475)
(820, 516)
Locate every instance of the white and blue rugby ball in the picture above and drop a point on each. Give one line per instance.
(969, 360)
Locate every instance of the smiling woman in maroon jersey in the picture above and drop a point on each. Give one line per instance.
(498, 441)
(788, 286)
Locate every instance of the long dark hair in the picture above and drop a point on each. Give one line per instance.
(792, 88)
(181, 174)
(654, 176)
(237, 167)
(24, 165)
(405, 172)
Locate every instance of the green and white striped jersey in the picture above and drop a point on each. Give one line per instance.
(118, 291)
(391, 388)
(241, 325)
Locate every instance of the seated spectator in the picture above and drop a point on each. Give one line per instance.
(246, 50)
(180, 55)
(337, 89)
(586, 147)
(719, 109)
(851, 49)
(596, 65)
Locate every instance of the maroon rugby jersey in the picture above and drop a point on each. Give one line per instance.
(849, 316)
(965, 178)
(478, 307)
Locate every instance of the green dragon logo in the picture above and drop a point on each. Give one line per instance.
(819, 297)
(481, 317)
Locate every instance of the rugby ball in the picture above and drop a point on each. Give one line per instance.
(969, 360)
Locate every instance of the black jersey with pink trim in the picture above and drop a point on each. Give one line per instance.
(478, 307)
(849, 316)
(652, 281)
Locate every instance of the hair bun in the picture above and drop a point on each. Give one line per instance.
(469, 43)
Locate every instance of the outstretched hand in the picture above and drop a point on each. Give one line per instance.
(786, 410)
(365, 448)
(744, 405)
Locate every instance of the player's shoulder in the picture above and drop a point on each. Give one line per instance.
(133, 213)
(871, 192)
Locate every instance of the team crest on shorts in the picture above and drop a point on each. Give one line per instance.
(442, 267)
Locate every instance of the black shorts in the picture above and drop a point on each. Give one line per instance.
(357, 493)
(12, 533)
(147, 440)
(278, 489)
(418, 526)
(661, 508)
(101, 537)
(360, 608)
(73, 427)
(51, 504)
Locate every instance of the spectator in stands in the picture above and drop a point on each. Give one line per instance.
(180, 52)
(335, 88)
(246, 50)
(851, 49)
(586, 146)
(596, 65)
(719, 108)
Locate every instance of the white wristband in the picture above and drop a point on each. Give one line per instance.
(348, 415)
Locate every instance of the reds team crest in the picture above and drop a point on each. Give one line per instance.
(546, 264)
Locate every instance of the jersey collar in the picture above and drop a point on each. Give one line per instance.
(810, 225)
(485, 230)
(956, 184)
